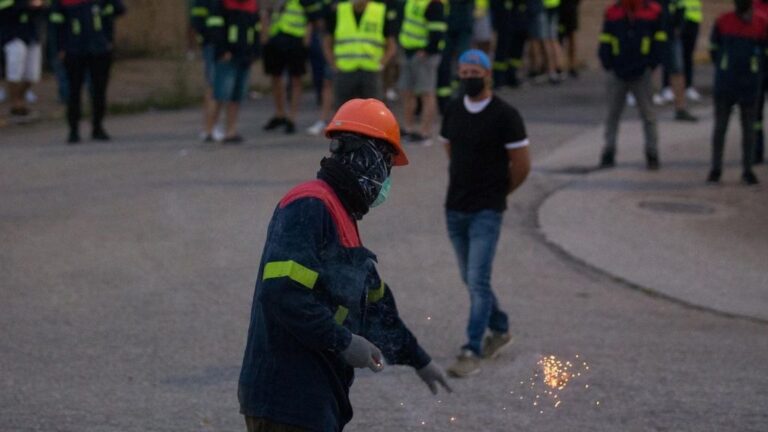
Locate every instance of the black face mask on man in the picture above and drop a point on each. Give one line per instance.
(473, 86)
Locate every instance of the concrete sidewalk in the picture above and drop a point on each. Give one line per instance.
(668, 231)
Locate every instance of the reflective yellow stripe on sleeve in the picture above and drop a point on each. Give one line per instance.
(645, 46)
(5, 4)
(199, 12)
(377, 294)
(215, 21)
(660, 36)
(57, 18)
(292, 270)
(341, 315)
(610, 39)
(437, 26)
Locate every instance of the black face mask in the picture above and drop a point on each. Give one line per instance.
(473, 86)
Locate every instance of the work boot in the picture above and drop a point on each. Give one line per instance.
(607, 160)
(290, 127)
(274, 123)
(652, 162)
(494, 343)
(467, 363)
(685, 115)
(714, 176)
(74, 138)
(749, 178)
(99, 134)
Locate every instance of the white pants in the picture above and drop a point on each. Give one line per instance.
(23, 62)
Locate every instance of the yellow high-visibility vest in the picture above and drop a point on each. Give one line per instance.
(292, 20)
(359, 47)
(693, 10)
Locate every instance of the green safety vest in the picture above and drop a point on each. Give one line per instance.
(291, 20)
(551, 4)
(414, 34)
(359, 47)
(692, 10)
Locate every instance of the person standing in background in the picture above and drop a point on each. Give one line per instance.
(569, 25)
(460, 19)
(85, 35)
(510, 24)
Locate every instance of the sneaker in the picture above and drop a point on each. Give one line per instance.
(573, 73)
(19, 112)
(494, 343)
(30, 97)
(234, 139)
(392, 95)
(218, 133)
(467, 363)
(555, 79)
(274, 123)
(631, 101)
(100, 134)
(667, 94)
(607, 160)
(685, 116)
(317, 128)
(290, 127)
(208, 139)
(652, 162)
(714, 176)
(692, 94)
(73, 138)
(749, 178)
(658, 100)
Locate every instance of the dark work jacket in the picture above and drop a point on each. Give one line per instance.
(19, 21)
(85, 27)
(234, 31)
(737, 47)
(509, 16)
(629, 46)
(316, 286)
(198, 15)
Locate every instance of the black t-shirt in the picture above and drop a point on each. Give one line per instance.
(390, 21)
(479, 166)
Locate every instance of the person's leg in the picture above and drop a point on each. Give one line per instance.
(16, 55)
(75, 66)
(517, 47)
(327, 105)
(484, 230)
(99, 70)
(209, 103)
(458, 233)
(642, 88)
(369, 85)
(296, 92)
(278, 96)
(444, 71)
(748, 113)
(723, 109)
(616, 90)
(501, 57)
(759, 147)
(429, 109)
(689, 36)
(237, 93)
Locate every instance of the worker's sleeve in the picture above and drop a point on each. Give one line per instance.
(496, 9)
(119, 6)
(435, 17)
(292, 268)
(385, 329)
(715, 44)
(659, 44)
(609, 45)
(57, 19)
(313, 9)
(215, 27)
(198, 16)
(12, 5)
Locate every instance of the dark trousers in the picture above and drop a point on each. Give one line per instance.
(689, 36)
(456, 42)
(97, 67)
(758, 126)
(508, 57)
(748, 112)
(254, 424)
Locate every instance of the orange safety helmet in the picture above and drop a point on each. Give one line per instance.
(369, 117)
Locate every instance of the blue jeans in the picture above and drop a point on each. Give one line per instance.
(474, 237)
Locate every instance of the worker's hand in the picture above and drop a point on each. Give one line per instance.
(432, 375)
(361, 353)
(226, 57)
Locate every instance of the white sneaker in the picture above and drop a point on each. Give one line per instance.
(667, 94)
(631, 100)
(658, 99)
(218, 133)
(392, 95)
(30, 96)
(692, 94)
(317, 128)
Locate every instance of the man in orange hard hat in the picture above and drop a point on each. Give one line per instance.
(320, 308)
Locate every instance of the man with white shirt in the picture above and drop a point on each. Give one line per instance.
(488, 150)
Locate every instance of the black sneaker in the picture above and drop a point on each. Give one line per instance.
(573, 73)
(652, 162)
(274, 123)
(749, 178)
(234, 140)
(290, 127)
(684, 115)
(607, 160)
(74, 138)
(415, 137)
(100, 135)
(208, 139)
(714, 176)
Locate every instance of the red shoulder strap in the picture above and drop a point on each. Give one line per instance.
(345, 225)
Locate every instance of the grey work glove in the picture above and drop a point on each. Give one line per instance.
(432, 374)
(361, 353)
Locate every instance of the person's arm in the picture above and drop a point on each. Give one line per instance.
(437, 27)
(215, 26)
(609, 45)
(57, 19)
(291, 270)
(660, 41)
(715, 44)
(519, 167)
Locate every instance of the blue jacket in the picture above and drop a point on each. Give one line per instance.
(85, 27)
(737, 49)
(631, 45)
(316, 286)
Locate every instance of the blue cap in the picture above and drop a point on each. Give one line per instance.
(475, 57)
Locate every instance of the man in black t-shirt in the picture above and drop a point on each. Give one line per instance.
(488, 150)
